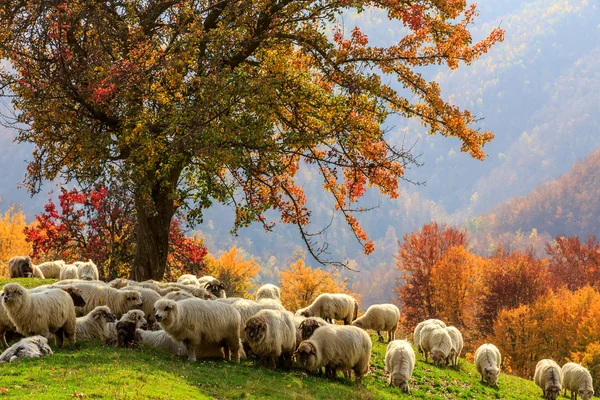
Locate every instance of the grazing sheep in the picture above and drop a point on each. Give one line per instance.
(548, 376)
(578, 381)
(51, 269)
(119, 301)
(308, 326)
(419, 327)
(380, 317)
(87, 271)
(400, 363)
(95, 324)
(272, 334)
(457, 345)
(69, 271)
(268, 291)
(31, 347)
(330, 306)
(51, 311)
(23, 267)
(336, 347)
(188, 279)
(488, 361)
(197, 322)
(249, 308)
(435, 340)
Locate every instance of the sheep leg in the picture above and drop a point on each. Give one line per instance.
(59, 335)
(191, 349)
(3, 339)
(380, 337)
(233, 345)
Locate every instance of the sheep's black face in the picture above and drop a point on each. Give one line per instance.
(307, 328)
(24, 267)
(256, 329)
(76, 296)
(490, 375)
(552, 393)
(306, 355)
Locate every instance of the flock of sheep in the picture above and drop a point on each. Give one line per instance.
(193, 317)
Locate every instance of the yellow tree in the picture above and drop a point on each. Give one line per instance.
(236, 273)
(301, 284)
(12, 237)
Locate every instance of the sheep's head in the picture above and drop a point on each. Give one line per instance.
(216, 287)
(308, 327)
(132, 298)
(13, 293)
(438, 357)
(357, 323)
(490, 375)
(202, 294)
(118, 283)
(135, 316)
(400, 383)
(103, 313)
(24, 267)
(256, 329)
(552, 392)
(164, 310)
(86, 271)
(178, 295)
(76, 296)
(585, 394)
(306, 355)
(304, 312)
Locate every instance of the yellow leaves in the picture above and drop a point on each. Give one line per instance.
(12, 237)
(233, 270)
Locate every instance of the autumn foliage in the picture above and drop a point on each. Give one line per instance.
(574, 264)
(236, 272)
(12, 237)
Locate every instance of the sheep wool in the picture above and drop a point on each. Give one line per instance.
(420, 326)
(457, 345)
(380, 317)
(578, 380)
(51, 311)
(268, 291)
(271, 334)
(437, 342)
(51, 269)
(119, 301)
(88, 271)
(31, 347)
(188, 279)
(95, 324)
(69, 271)
(23, 267)
(198, 322)
(248, 308)
(488, 361)
(309, 325)
(400, 363)
(548, 376)
(332, 306)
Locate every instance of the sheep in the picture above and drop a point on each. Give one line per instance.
(487, 361)
(380, 317)
(336, 347)
(119, 283)
(330, 306)
(578, 380)
(216, 287)
(435, 340)
(69, 271)
(31, 347)
(457, 345)
(196, 322)
(126, 334)
(419, 327)
(42, 313)
(248, 308)
(268, 291)
(23, 267)
(87, 271)
(272, 334)
(95, 324)
(75, 293)
(119, 301)
(178, 296)
(228, 300)
(51, 269)
(308, 326)
(188, 279)
(134, 316)
(148, 297)
(400, 363)
(548, 376)
(72, 281)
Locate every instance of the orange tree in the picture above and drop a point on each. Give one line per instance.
(236, 273)
(12, 237)
(199, 102)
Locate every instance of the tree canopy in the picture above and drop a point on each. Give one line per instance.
(193, 102)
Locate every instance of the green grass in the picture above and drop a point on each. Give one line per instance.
(100, 372)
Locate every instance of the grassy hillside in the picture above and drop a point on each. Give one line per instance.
(95, 371)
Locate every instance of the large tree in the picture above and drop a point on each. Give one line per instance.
(219, 101)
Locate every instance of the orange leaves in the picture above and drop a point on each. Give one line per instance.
(12, 237)
(233, 270)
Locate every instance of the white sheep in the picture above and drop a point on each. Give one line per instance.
(196, 322)
(229, 300)
(487, 361)
(87, 271)
(548, 376)
(400, 363)
(188, 279)
(51, 311)
(51, 269)
(69, 271)
(23, 267)
(578, 381)
(178, 296)
(336, 347)
(437, 342)
(248, 308)
(332, 306)
(268, 291)
(380, 317)
(148, 297)
(272, 334)
(419, 327)
(457, 345)
(31, 347)
(119, 301)
(95, 324)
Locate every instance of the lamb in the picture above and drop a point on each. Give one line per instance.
(134, 316)
(487, 361)
(42, 313)
(87, 271)
(119, 301)
(248, 308)
(400, 363)
(95, 324)
(188, 279)
(31, 347)
(23, 267)
(268, 291)
(578, 380)
(126, 334)
(435, 340)
(308, 326)
(548, 376)
(457, 345)
(272, 334)
(51, 269)
(69, 271)
(197, 322)
(330, 306)
(380, 317)
(419, 327)
(336, 347)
